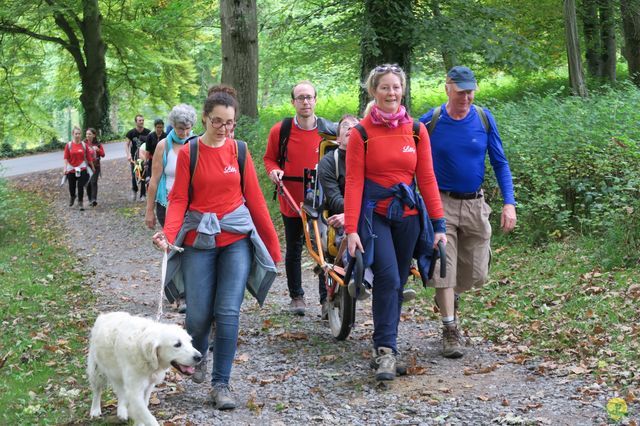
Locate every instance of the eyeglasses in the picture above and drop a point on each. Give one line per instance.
(347, 126)
(303, 98)
(385, 68)
(217, 123)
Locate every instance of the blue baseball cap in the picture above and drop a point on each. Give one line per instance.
(463, 78)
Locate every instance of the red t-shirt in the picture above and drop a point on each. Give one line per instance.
(216, 189)
(392, 157)
(302, 152)
(76, 154)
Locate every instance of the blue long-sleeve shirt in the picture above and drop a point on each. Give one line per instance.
(459, 148)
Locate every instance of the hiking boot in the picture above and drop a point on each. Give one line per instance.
(297, 306)
(452, 342)
(81, 205)
(221, 397)
(94, 203)
(71, 201)
(200, 375)
(401, 366)
(408, 294)
(385, 360)
(326, 307)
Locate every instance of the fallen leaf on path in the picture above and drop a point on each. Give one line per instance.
(293, 335)
(483, 398)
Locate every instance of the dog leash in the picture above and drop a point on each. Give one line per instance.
(165, 258)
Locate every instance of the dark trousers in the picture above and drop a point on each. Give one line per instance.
(161, 213)
(77, 183)
(294, 238)
(92, 187)
(134, 184)
(393, 250)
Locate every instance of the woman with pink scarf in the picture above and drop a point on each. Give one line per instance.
(385, 216)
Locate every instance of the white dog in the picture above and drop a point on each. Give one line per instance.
(133, 354)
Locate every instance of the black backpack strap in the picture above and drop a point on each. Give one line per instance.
(193, 161)
(434, 119)
(483, 118)
(416, 131)
(363, 135)
(285, 131)
(241, 149)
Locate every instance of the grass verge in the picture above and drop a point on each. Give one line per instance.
(44, 316)
(558, 306)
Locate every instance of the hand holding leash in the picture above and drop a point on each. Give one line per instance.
(161, 243)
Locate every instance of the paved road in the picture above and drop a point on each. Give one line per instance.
(50, 160)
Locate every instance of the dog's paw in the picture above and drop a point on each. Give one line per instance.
(122, 412)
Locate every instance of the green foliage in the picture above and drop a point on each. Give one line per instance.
(43, 315)
(575, 164)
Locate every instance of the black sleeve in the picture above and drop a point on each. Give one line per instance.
(334, 199)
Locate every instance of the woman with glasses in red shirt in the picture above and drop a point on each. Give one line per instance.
(221, 220)
(384, 163)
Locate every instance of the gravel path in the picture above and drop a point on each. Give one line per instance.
(289, 370)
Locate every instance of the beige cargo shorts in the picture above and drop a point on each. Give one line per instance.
(468, 244)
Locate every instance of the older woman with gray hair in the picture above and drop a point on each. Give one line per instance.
(182, 117)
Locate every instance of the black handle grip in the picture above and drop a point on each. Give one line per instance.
(442, 255)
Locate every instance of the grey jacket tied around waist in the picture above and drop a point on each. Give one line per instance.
(207, 225)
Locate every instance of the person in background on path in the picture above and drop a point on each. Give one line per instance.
(92, 142)
(152, 142)
(78, 159)
(135, 138)
(302, 150)
(234, 230)
(459, 144)
(381, 170)
(182, 118)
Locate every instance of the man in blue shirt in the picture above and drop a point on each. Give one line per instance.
(461, 136)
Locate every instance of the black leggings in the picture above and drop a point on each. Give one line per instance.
(294, 237)
(78, 182)
(92, 187)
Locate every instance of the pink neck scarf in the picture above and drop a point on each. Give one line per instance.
(391, 120)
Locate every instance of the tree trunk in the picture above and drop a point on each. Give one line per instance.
(448, 56)
(93, 76)
(608, 36)
(630, 11)
(576, 74)
(387, 38)
(591, 28)
(240, 51)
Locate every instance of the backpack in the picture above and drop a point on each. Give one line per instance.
(438, 110)
(365, 137)
(241, 151)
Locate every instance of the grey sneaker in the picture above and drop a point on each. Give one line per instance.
(221, 397)
(408, 294)
(385, 359)
(142, 198)
(200, 375)
(81, 205)
(401, 366)
(297, 306)
(452, 342)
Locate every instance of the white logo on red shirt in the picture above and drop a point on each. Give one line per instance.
(230, 169)
(408, 148)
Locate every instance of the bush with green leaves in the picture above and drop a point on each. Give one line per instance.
(576, 165)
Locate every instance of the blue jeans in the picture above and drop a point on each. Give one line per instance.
(393, 251)
(215, 281)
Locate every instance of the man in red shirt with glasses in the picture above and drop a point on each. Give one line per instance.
(302, 151)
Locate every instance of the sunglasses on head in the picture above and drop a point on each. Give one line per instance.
(385, 68)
